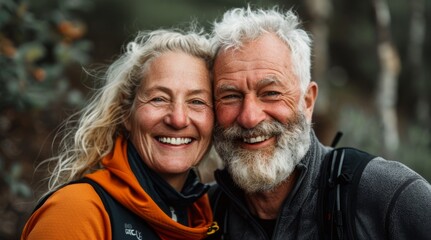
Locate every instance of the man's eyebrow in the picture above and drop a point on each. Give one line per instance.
(261, 83)
(270, 80)
(225, 87)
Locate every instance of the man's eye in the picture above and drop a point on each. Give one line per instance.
(271, 93)
(231, 97)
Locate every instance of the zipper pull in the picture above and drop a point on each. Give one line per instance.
(174, 215)
(213, 228)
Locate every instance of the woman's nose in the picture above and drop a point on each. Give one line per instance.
(178, 117)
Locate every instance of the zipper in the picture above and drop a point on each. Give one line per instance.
(244, 211)
(174, 215)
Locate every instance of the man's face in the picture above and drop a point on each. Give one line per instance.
(261, 112)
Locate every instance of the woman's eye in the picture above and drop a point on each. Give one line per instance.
(157, 99)
(197, 102)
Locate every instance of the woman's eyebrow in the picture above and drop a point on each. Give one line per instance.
(198, 91)
(169, 91)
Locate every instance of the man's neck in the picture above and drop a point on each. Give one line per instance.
(267, 205)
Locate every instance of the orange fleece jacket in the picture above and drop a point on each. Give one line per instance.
(76, 211)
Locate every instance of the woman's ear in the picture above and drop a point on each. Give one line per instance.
(127, 124)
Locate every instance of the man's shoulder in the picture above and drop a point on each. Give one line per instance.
(387, 179)
(390, 193)
(381, 169)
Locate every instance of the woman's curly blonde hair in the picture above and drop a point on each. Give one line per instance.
(84, 142)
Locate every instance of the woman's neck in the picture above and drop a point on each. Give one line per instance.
(176, 181)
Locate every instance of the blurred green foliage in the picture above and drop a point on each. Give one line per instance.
(13, 178)
(36, 49)
(45, 44)
(40, 41)
(360, 127)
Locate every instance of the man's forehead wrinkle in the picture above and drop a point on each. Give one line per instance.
(225, 72)
(255, 61)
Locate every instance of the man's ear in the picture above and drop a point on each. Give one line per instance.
(310, 97)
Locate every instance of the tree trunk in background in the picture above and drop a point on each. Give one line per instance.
(388, 78)
(319, 12)
(415, 59)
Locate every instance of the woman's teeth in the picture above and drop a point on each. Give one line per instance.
(174, 141)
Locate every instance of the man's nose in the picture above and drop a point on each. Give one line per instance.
(252, 113)
(178, 117)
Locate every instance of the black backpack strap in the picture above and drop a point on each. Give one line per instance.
(336, 139)
(339, 178)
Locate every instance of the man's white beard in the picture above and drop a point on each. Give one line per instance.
(263, 169)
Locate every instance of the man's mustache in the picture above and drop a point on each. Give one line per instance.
(235, 131)
(265, 128)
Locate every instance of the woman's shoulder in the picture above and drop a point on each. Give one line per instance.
(71, 212)
(75, 195)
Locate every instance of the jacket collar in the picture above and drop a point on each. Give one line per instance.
(161, 192)
(119, 180)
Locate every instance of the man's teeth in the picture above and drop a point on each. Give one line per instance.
(175, 141)
(256, 139)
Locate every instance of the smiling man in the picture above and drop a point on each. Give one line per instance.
(264, 102)
(257, 98)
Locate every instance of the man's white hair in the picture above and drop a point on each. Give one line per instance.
(241, 25)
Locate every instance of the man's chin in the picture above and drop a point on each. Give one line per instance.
(249, 188)
(257, 182)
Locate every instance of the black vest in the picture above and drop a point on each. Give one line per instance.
(124, 223)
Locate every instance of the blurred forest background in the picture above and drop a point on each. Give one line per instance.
(371, 61)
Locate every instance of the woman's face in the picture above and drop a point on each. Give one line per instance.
(171, 126)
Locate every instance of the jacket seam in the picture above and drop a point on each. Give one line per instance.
(394, 199)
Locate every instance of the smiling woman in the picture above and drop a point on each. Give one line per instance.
(172, 122)
(125, 170)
